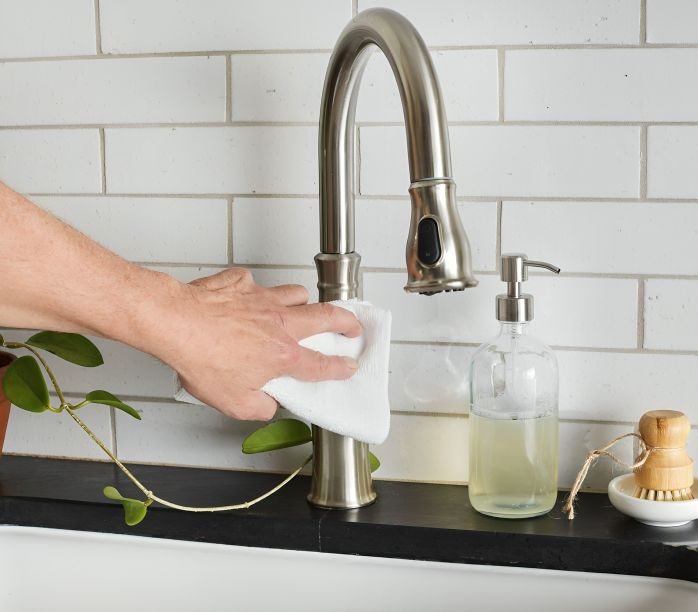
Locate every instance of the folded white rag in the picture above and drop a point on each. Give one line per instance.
(357, 407)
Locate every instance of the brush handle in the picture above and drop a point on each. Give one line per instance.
(668, 467)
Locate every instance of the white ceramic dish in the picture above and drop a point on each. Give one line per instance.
(655, 513)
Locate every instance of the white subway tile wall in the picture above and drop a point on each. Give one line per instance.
(515, 161)
(183, 136)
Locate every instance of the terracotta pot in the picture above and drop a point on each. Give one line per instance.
(5, 360)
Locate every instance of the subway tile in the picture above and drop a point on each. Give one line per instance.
(42, 28)
(672, 155)
(435, 449)
(265, 277)
(605, 317)
(672, 21)
(424, 448)
(285, 231)
(160, 26)
(528, 161)
(520, 22)
(212, 160)
(601, 85)
(670, 314)
(578, 439)
(51, 161)
(469, 83)
(184, 434)
(57, 435)
(278, 86)
(605, 237)
(153, 230)
(430, 378)
(594, 386)
(288, 87)
(275, 231)
(623, 386)
(142, 90)
(383, 226)
(126, 371)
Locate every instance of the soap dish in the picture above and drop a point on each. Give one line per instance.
(655, 513)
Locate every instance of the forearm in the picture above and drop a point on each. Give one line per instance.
(53, 277)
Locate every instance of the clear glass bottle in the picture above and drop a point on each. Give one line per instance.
(514, 410)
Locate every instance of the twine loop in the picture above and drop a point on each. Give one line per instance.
(646, 450)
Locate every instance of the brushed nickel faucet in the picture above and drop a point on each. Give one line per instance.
(438, 252)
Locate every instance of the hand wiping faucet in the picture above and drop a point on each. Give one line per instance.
(438, 252)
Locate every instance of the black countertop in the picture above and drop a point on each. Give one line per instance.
(409, 520)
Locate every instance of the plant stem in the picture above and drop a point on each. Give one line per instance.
(152, 497)
(77, 419)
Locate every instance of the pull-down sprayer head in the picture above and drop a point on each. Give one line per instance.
(438, 252)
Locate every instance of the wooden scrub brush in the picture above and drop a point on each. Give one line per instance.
(667, 471)
(663, 470)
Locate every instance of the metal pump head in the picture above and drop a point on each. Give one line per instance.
(514, 306)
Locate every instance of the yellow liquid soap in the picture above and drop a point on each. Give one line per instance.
(513, 464)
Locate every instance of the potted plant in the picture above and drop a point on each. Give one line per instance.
(24, 385)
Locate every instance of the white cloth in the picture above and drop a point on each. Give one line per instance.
(357, 407)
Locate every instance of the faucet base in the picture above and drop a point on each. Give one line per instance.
(341, 472)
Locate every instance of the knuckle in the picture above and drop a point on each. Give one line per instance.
(280, 318)
(288, 353)
(241, 276)
(326, 312)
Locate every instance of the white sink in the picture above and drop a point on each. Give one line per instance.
(50, 569)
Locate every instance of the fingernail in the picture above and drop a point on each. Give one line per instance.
(351, 362)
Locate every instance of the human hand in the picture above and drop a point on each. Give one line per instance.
(235, 336)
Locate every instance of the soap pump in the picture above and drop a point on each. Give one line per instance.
(514, 408)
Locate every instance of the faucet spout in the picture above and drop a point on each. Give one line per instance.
(438, 252)
(445, 262)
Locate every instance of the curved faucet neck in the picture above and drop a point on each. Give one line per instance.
(422, 104)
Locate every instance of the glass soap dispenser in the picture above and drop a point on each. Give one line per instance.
(513, 409)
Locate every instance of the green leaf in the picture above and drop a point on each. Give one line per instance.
(279, 434)
(71, 347)
(134, 509)
(24, 385)
(106, 398)
(375, 464)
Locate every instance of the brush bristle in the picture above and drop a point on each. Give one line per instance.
(649, 494)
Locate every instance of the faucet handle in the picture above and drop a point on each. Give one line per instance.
(515, 266)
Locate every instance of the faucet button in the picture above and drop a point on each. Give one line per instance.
(428, 243)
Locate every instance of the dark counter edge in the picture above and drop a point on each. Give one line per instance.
(417, 521)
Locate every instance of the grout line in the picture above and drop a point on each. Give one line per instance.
(230, 230)
(447, 415)
(354, 8)
(112, 420)
(643, 23)
(641, 313)
(387, 198)
(98, 29)
(386, 270)
(314, 124)
(103, 159)
(500, 85)
(498, 238)
(643, 162)
(213, 53)
(569, 349)
(228, 89)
